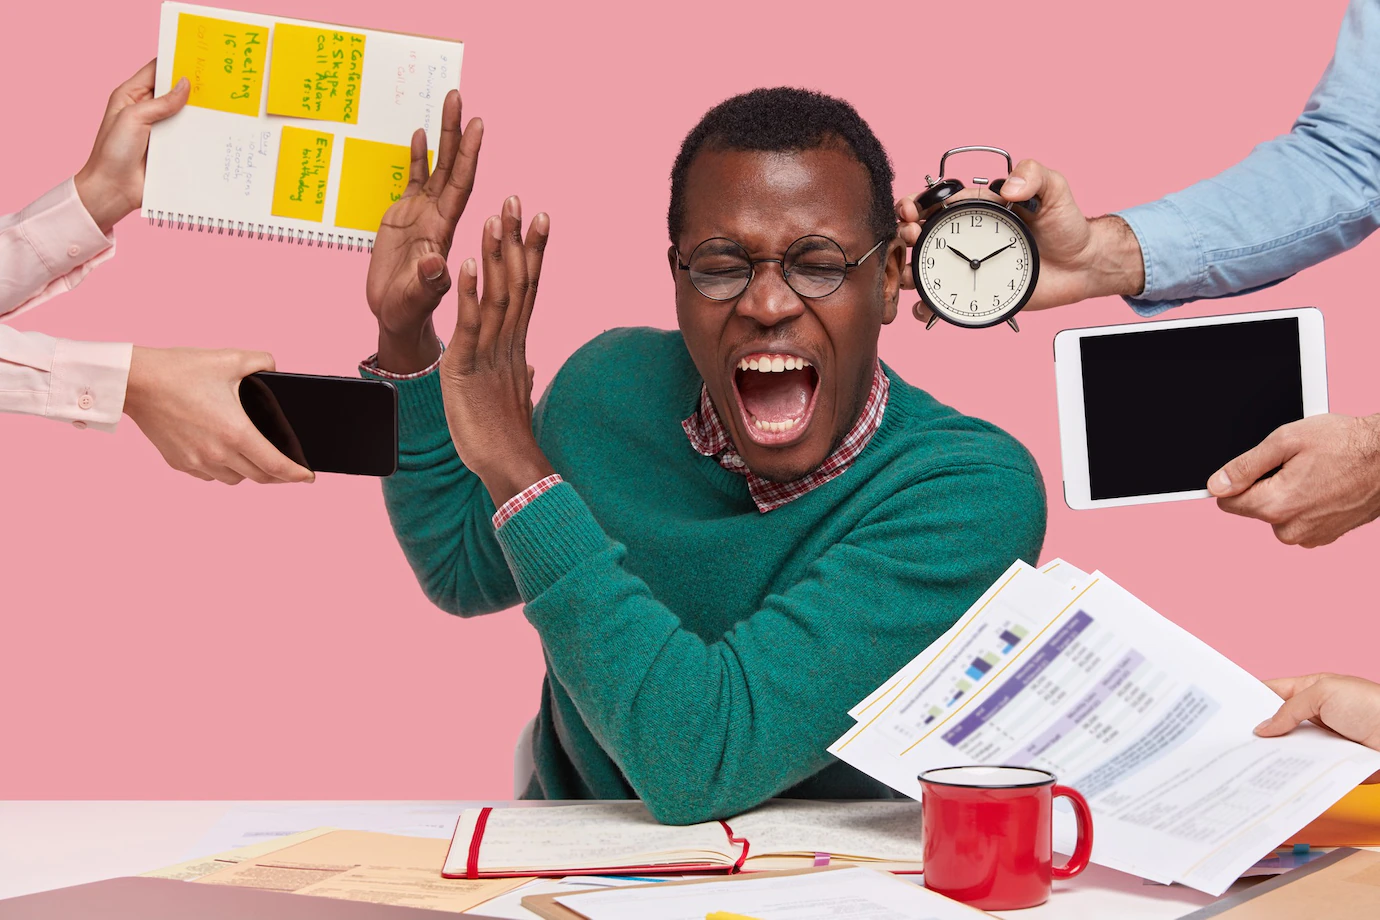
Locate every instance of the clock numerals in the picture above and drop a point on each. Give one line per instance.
(938, 284)
(973, 306)
(929, 262)
(955, 227)
(985, 275)
(977, 221)
(1011, 284)
(941, 243)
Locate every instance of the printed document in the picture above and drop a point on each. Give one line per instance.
(1154, 727)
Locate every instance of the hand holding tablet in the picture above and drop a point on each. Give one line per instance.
(1149, 411)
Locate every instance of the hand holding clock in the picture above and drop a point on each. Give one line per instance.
(1079, 257)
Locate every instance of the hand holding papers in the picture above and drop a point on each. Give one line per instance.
(1078, 677)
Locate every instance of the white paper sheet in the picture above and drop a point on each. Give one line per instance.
(508, 906)
(858, 894)
(248, 824)
(1152, 725)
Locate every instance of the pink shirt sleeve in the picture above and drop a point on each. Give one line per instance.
(45, 250)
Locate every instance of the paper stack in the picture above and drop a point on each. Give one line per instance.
(1068, 672)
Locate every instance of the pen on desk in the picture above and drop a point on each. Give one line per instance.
(725, 915)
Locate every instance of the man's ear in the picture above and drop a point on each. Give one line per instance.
(895, 264)
(673, 259)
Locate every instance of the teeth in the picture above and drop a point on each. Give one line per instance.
(774, 426)
(774, 364)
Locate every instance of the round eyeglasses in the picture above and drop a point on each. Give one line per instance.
(814, 266)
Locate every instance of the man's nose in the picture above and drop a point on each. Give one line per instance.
(768, 299)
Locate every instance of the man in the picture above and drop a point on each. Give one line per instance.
(727, 535)
(1295, 201)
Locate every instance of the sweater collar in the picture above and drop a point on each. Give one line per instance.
(709, 437)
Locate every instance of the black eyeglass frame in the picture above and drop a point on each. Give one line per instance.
(753, 263)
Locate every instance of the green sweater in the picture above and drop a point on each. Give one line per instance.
(699, 654)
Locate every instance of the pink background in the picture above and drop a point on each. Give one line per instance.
(162, 637)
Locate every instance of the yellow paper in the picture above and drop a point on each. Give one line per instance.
(304, 168)
(193, 869)
(1352, 822)
(316, 72)
(365, 866)
(224, 62)
(372, 177)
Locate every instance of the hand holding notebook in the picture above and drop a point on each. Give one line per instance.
(293, 130)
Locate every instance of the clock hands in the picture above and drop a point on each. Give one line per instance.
(997, 253)
(972, 263)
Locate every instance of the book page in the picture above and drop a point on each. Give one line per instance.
(569, 837)
(294, 129)
(855, 893)
(882, 830)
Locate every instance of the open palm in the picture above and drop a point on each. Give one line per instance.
(407, 271)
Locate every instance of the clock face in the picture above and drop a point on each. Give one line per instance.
(975, 263)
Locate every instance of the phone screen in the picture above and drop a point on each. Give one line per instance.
(327, 424)
(1166, 408)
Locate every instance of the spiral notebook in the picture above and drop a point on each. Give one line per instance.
(295, 131)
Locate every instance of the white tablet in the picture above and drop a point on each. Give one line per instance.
(1148, 411)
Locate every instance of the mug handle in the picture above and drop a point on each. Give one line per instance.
(1082, 850)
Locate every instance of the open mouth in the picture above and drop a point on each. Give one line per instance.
(776, 395)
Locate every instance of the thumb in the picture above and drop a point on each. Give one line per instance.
(154, 110)
(1242, 472)
(1302, 706)
(432, 275)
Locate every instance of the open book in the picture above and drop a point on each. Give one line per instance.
(623, 837)
(294, 130)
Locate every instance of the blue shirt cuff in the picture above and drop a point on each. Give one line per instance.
(1172, 253)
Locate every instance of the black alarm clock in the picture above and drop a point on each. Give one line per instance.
(975, 263)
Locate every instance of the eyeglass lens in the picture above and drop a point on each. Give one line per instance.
(814, 266)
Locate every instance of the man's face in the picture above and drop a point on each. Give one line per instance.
(785, 423)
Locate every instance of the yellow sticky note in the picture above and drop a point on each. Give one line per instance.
(224, 62)
(304, 168)
(372, 177)
(316, 72)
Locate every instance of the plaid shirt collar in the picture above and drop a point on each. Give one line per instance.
(709, 437)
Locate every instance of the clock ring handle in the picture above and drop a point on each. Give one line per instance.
(979, 148)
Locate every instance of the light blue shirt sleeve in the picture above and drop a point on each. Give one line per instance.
(1293, 202)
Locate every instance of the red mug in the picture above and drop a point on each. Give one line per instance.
(988, 835)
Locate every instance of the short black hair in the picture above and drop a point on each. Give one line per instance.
(782, 119)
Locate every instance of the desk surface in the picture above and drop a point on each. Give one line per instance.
(45, 845)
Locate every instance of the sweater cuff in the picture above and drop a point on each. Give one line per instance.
(553, 534)
(421, 411)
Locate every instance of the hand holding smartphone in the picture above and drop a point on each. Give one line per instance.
(327, 424)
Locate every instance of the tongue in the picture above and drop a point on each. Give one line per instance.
(778, 397)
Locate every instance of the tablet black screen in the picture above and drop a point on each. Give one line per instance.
(1166, 408)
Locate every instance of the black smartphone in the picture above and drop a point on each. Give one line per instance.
(327, 424)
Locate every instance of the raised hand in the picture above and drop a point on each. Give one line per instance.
(407, 270)
(485, 380)
(111, 184)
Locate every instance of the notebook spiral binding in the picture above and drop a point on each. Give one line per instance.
(320, 238)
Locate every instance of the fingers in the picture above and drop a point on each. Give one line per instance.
(139, 86)
(1286, 687)
(151, 111)
(1242, 472)
(467, 316)
(1029, 179)
(251, 362)
(260, 461)
(505, 278)
(1300, 707)
(534, 248)
(906, 210)
(419, 172)
(921, 312)
(460, 181)
(450, 142)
